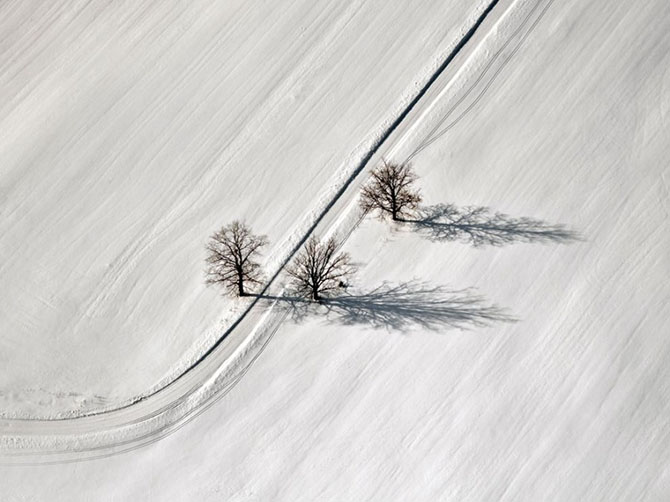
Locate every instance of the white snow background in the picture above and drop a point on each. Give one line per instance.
(130, 132)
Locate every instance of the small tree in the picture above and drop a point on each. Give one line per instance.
(233, 251)
(390, 190)
(319, 269)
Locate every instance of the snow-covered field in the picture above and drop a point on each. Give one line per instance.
(131, 131)
(557, 111)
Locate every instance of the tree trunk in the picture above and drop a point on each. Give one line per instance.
(315, 295)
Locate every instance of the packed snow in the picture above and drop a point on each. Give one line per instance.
(513, 346)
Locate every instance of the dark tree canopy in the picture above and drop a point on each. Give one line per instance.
(390, 190)
(231, 262)
(318, 269)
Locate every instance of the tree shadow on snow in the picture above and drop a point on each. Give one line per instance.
(403, 306)
(476, 225)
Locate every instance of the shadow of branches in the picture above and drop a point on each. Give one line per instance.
(402, 306)
(476, 225)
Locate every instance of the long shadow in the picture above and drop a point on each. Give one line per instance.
(478, 226)
(402, 306)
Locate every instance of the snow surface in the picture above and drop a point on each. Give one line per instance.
(131, 131)
(381, 399)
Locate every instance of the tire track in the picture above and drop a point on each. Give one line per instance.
(433, 135)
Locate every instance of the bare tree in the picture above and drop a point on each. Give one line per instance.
(231, 262)
(390, 190)
(319, 269)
